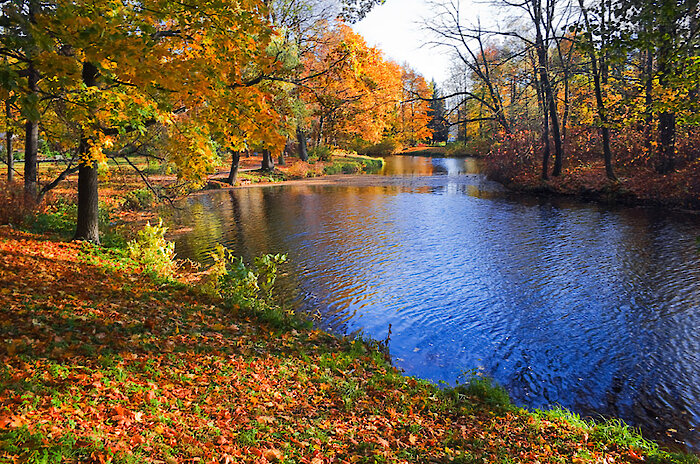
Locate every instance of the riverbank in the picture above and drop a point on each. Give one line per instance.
(439, 152)
(102, 361)
(294, 169)
(678, 190)
(450, 150)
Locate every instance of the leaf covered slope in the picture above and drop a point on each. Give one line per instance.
(98, 363)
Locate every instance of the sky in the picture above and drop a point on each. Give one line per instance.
(395, 27)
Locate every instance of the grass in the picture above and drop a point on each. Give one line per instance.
(353, 164)
(257, 177)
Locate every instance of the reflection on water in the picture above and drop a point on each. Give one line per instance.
(592, 308)
(424, 166)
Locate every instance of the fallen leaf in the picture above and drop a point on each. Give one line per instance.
(273, 455)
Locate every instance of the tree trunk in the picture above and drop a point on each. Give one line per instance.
(548, 92)
(545, 127)
(268, 163)
(10, 158)
(235, 163)
(598, 73)
(607, 153)
(565, 63)
(667, 142)
(8, 145)
(545, 142)
(320, 131)
(667, 118)
(280, 158)
(556, 135)
(87, 226)
(31, 144)
(648, 100)
(302, 148)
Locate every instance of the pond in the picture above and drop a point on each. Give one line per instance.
(593, 308)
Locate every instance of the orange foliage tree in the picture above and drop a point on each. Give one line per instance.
(413, 111)
(354, 90)
(114, 71)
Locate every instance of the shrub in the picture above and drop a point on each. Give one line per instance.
(152, 250)
(321, 153)
(373, 165)
(512, 156)
(358, 145)
(138, 200)
(298, 170)
(473, 147)
(335, 168)
(456, 149)
(345, 168)
(59, 218)
(387, 146)
(236, 282)
(251, 288)
(266, 272)
(12, 207)
(350, 168)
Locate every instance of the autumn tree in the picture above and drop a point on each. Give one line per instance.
(119, 70)
(597, 70)
(470, 48)
(667, 34)
(355, 10)
(19, 46)
(303, 26)
(9, 127)
(299, 23)
(497, 60)
(353, 90)
(413, 111)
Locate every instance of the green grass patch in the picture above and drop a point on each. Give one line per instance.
(354, 164)
(256, 177)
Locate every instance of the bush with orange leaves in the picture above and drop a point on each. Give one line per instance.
(13, 209)
(302, 170)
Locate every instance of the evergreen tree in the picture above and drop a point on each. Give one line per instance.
(438, 122)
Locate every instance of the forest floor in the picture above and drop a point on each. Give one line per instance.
(102, 361)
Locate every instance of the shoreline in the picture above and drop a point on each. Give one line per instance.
(603, 197)
(114, 335)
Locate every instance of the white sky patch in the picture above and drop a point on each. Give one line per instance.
(396, 27)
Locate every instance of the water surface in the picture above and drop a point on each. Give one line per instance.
(593, 308)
